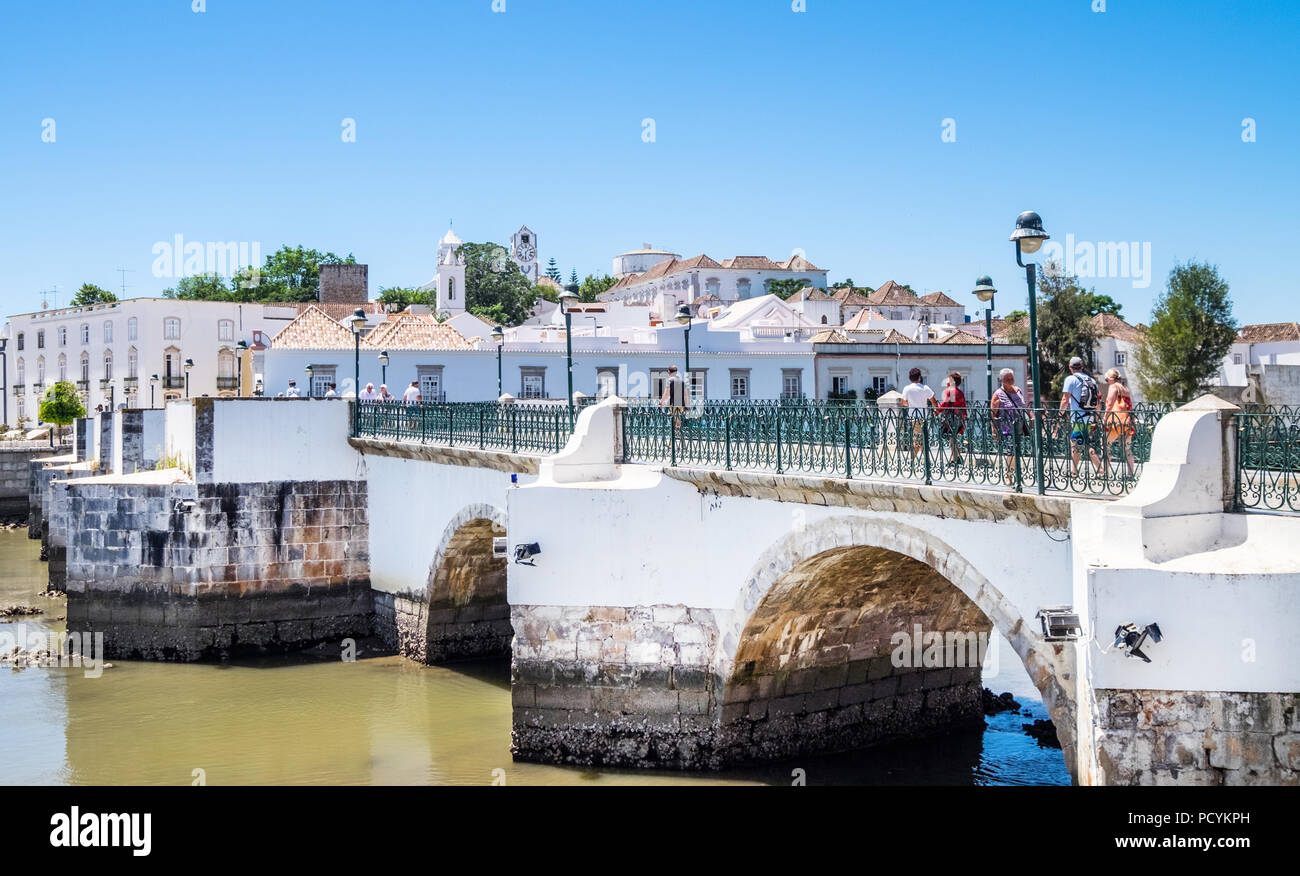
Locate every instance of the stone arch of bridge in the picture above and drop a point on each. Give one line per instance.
(466, 613)
(862, 579)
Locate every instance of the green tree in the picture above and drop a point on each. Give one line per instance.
(1103, 304)
(846, 283)
(553, 270)
(1192, 329)
(573, 281)
(291, 273)
(89, 293)
(592, 286)
(1065, 328)
(201, 287)
(783, 289)
(495, 288)
(546, 293)
(1016, 315)
(61, 405)
(399, 298)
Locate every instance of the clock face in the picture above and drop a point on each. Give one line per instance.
(526, 252)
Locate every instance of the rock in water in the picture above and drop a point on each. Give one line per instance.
(995, 703)
(1044, 732)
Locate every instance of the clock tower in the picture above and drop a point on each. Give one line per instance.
(523, 249)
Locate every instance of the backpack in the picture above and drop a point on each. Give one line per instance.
(1087, 392)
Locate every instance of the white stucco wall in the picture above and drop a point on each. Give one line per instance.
(282, 440)
(179, 431)
(411, 504)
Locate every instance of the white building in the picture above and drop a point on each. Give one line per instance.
(111, 351)
(682, 281)
(638, 261)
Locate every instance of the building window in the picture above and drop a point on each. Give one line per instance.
(40, 339)
(742, 288)
(880, 384)
(132, 363)
(85, 368)
(712, 286)
(322, 378)
(532, 382)
(85, 333)
(895, 314)
(1236, 357)
(63, 336)
(40, 370)
(22, 406)
(823, 320)
(740, 383)
(431, 387)
(451, 288)
(226, 330)
(840, 384)
(108, 332)
(1121, 357)
(606, 381)
(63, 367)
(20, 341)
(22, 374)
(791, 383)
(108, 365)
(171, 328)
(132, 328)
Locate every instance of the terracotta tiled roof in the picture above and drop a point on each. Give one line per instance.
(892, 293)
(1270, 331)
(314, 330)
(799, 263)
(830, 336)
(863, 317)
(695, 262)
(938, 299)
(809, 293)
(547, 281)
(896, 337)
(751, 263)
(1111, 326)
(961, 337)
(417, 332)
(339, 311)
(1003, 327)
(849, 297)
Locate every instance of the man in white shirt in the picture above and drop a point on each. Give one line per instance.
(331, 392)
(917, 398)
(368, 394)
(412, 394)
(292, 391)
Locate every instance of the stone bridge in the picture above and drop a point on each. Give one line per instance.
(697, 618)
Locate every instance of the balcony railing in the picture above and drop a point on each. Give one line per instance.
(171, 382)
(227, 383)
(83, 385)
(130, 383)
(19, 388)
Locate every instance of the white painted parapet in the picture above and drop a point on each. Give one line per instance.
(592, 452)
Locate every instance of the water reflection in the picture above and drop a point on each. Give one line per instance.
(380, 720)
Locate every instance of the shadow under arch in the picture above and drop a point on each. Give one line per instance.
(462, 613)
(795, 613)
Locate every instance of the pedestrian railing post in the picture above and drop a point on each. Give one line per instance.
(514, 430)
(778, 442)
(925, 448)
(848, 447)
(726, 419)
(1038, 452)
(1015, 443)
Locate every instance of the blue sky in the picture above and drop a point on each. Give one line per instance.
(774, 130)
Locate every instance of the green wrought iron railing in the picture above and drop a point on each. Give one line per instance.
(1268, 458)
(520, 427)
(1098, 455)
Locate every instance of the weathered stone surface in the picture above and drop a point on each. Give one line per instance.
(1152, 737)
(497, 460)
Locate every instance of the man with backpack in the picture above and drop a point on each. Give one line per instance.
(1079, 394)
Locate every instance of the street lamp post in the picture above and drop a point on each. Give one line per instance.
(240, 349)
(383, 368)
(358, 323)
(310, 390)
(566, 298)
(189, 364)
(1027, 239)
(684, 319)
(153, 382)
(499, 338)
(4, 372)
(984, 291)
